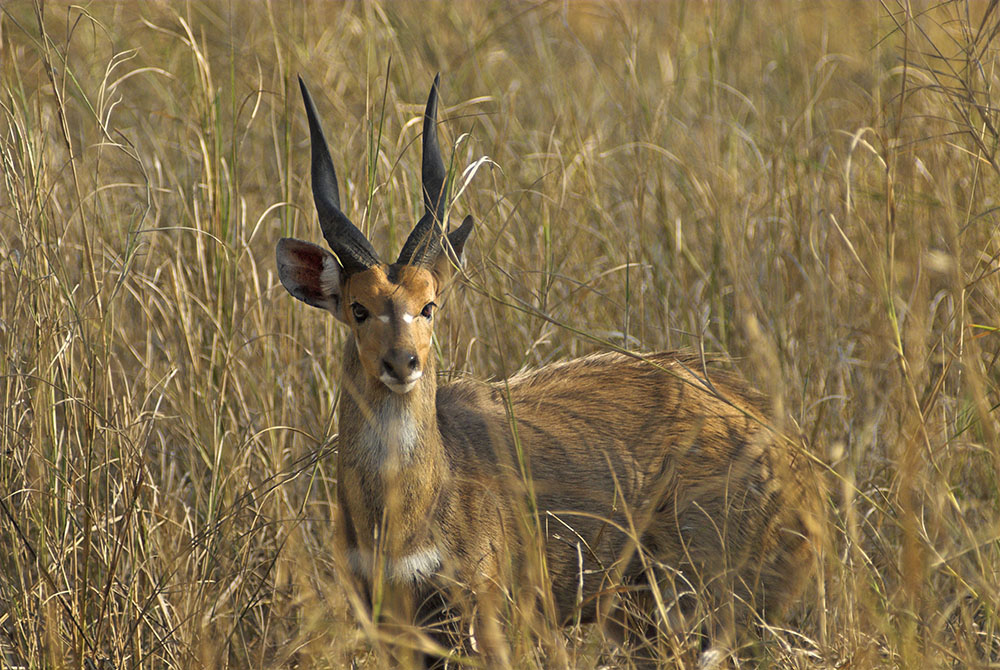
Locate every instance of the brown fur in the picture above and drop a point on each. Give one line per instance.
(614, 469)
(603, 438)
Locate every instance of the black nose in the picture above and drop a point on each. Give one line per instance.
(400, 364)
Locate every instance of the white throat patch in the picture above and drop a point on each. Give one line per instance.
(390, 434)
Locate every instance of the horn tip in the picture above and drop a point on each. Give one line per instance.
(463, 230)
(305, 91)
(433, 96)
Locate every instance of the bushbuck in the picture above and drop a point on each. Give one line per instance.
(650, 483)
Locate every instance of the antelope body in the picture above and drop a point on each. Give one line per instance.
(611, 463)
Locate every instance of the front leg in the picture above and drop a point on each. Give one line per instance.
(394, 609)
(488, 636)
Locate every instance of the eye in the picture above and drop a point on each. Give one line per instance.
(359, 312)
(428, 310)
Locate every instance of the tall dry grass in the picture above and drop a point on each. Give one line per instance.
(809, 188)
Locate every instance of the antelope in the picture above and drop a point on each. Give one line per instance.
(629, 473)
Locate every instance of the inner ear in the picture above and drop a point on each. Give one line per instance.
(311, 274)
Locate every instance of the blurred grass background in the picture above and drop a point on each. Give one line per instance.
(809, 188)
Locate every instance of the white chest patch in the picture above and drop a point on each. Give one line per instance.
(414, 567)
(418, 565)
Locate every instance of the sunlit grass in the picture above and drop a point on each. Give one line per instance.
(810, 189)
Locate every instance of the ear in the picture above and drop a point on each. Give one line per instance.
(311, 274)
(454, 253)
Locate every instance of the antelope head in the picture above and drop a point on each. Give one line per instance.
(388, 307)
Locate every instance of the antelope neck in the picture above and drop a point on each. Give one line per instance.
(382, 432)
(391, 472)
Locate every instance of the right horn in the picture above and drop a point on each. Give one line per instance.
(424, 243)
(353, 249)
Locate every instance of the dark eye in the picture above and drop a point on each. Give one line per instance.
(428, 310)
(359, 312)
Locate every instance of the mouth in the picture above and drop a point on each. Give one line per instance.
(399, 387)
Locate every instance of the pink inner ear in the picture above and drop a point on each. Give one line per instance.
(300, 268)
(305, 253)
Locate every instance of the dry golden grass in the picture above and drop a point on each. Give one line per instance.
(809, 188)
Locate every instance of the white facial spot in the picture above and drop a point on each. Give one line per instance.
(407, 318)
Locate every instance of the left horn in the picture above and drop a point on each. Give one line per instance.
(353, 249)
(424, 242)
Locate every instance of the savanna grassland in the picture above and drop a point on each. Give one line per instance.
(808, 189)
